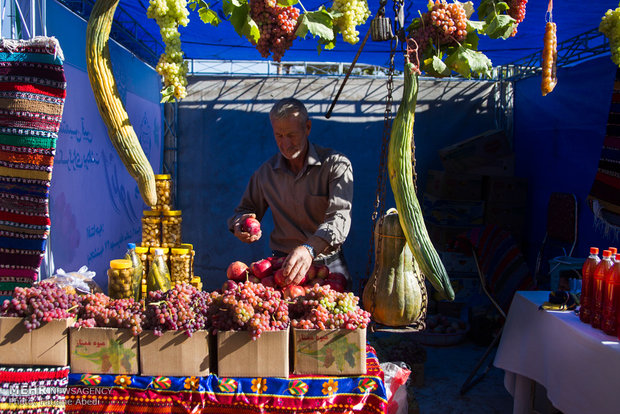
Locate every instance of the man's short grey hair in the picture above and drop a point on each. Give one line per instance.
(289, 107)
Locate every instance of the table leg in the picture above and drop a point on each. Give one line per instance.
(523, 396)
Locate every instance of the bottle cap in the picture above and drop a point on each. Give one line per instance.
(163, 176)
(159, 251)
(172, 213)
(613, 250)
(606, 253)
(151, 213)
(131, 246)
(179, 250)
(120, 264)
(164, 249)
(593, 250)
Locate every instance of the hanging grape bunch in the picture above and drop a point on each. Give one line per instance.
(353, 13)
(516, 10)
(443, 25)
(610, 27)
(277, 26)
(169, 15)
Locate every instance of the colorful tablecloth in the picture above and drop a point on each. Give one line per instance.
(88, 393)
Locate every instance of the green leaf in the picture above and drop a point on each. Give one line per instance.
(501, 26)
(436, 67)
(471, 41)
(167, 94)
(475, 25)
(501, 7)
(485, 9)
(239, 12)
(287, 3)
(207, 15)
(469, 8)
(467, 62)
(319, 23)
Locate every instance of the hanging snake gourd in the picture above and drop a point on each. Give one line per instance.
(400, 170)
(110, 106)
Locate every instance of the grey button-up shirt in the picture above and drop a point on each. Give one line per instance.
(312, 207)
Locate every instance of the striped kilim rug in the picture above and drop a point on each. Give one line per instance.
(32, 96)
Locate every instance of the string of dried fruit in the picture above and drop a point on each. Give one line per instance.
(549, 59)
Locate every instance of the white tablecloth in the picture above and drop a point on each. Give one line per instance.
(579, 366)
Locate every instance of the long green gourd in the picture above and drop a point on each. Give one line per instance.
(401, 179)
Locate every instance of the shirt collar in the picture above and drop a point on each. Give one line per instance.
(312, 158)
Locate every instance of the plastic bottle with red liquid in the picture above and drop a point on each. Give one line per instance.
(598, 290)
(611, 299)
(587, 276)
(613, 251)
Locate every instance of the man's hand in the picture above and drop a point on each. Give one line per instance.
(296, 265)
(244, 236)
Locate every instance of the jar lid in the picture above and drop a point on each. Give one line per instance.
(179, 250)
(120, 264)
(172, 213)
(151, 213)
(164, 250)
(187, 246)
(163, 176)
(196, 279)
(141, 250)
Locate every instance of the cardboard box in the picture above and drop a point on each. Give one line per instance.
(452, 212)
(443, 236)
(174, 354)
(239, 356)
(476, 152)
(329, 352)
(46, 345)
(451, 186)
(505, 190)
(103, 351)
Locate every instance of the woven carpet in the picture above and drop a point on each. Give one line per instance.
(33, 390)
(32, 96)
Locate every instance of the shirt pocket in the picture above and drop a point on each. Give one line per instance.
(315, 207)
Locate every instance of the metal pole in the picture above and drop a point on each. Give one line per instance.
(33, 16)
(44, 16)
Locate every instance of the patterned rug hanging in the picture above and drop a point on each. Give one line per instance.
(32, 96)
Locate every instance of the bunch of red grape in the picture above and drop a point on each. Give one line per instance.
(444, 25)
(324, 308)
(276, 25)
(99, 310)
(183, 308)
(250, 307)
(42, 302)
(516, 11)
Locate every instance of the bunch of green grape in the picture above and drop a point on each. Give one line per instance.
(610, 27)
(354, 13)
(169, 15)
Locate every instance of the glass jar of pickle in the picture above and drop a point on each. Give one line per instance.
(179, 265)
(120, 276)
(171, 228)
(151, 228)
(143, 255)
(192, 253)
(163, 186)
(151, 255)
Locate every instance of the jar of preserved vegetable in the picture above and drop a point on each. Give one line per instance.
(143, 255)
(151, 255)
(171, 228)
(179, 265)
(151, 228)
(163, 185)
(159, 275)
(192, 253)
(120, 276)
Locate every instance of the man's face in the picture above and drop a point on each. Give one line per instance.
(291, 136)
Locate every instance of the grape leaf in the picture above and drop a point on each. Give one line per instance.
(466, 61)
(287, 3)
(475, 25)
(319, 23)
(327, 44)
(471, 41)
(167, 94)
(436, 67)
(239, 12)
(469, 8)
(501, 7)
(501, 26)
(207, 15)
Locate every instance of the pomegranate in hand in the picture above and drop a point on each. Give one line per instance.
(250, 225)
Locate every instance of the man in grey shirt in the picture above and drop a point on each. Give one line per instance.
(310, 192)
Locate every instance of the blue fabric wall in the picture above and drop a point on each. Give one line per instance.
(95, 206)
(558, 140)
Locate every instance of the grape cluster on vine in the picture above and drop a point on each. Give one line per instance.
(324, 308)
(516, 11)
(353, 13)
(276, 25)
(182, 308)
(169, 15)
(610, 27)
(444, 25)
(249, 307)
(97, 310)
(42, 302)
